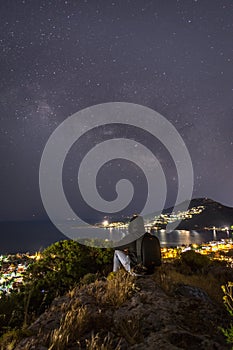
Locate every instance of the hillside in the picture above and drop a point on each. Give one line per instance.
(214, 214)
(149, 319)
(179, 307)
(201, 213)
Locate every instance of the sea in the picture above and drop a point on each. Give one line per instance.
(22, 237)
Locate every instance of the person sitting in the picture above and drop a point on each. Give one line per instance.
(128, 253)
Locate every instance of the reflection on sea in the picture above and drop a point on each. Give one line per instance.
(180, 237)
(171, 239)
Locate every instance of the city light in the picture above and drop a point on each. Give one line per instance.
(105, 223)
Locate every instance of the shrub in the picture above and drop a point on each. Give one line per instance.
(9, 340)
(88, 278)
(228, 301)
(11, 311)
(59, 269)
(170, 276)
(194, 262)
(228, 297)
(228, 334)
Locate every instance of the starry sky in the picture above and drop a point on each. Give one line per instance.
(59, 57)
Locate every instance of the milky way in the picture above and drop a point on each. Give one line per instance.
(58, 57)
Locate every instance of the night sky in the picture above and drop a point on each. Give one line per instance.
(59, 57)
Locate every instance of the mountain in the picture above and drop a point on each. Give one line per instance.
(213, 214)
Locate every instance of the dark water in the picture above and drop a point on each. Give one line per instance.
(21, 237)
(179, 237)
(34, 236)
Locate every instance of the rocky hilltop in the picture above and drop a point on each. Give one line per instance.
(172, 309)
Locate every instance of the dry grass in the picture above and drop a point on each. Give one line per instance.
(10, 339)
(72, 326)
(96, 343)
(169, 278)
(119, 287)
(77, 320)
(228, 297)
(129, 328)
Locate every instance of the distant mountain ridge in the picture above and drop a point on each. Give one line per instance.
(213, 214)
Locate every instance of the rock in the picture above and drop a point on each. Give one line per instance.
(150, 319)
(193, 292)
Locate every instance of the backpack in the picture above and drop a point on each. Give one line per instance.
(149, 253)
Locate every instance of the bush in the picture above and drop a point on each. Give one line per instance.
(88, 278)
(228, 334)
(9, 340)
(193, 262)
(59, 269)
(228, 297)
(228, 301)
(171, 275)
(11, 311)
